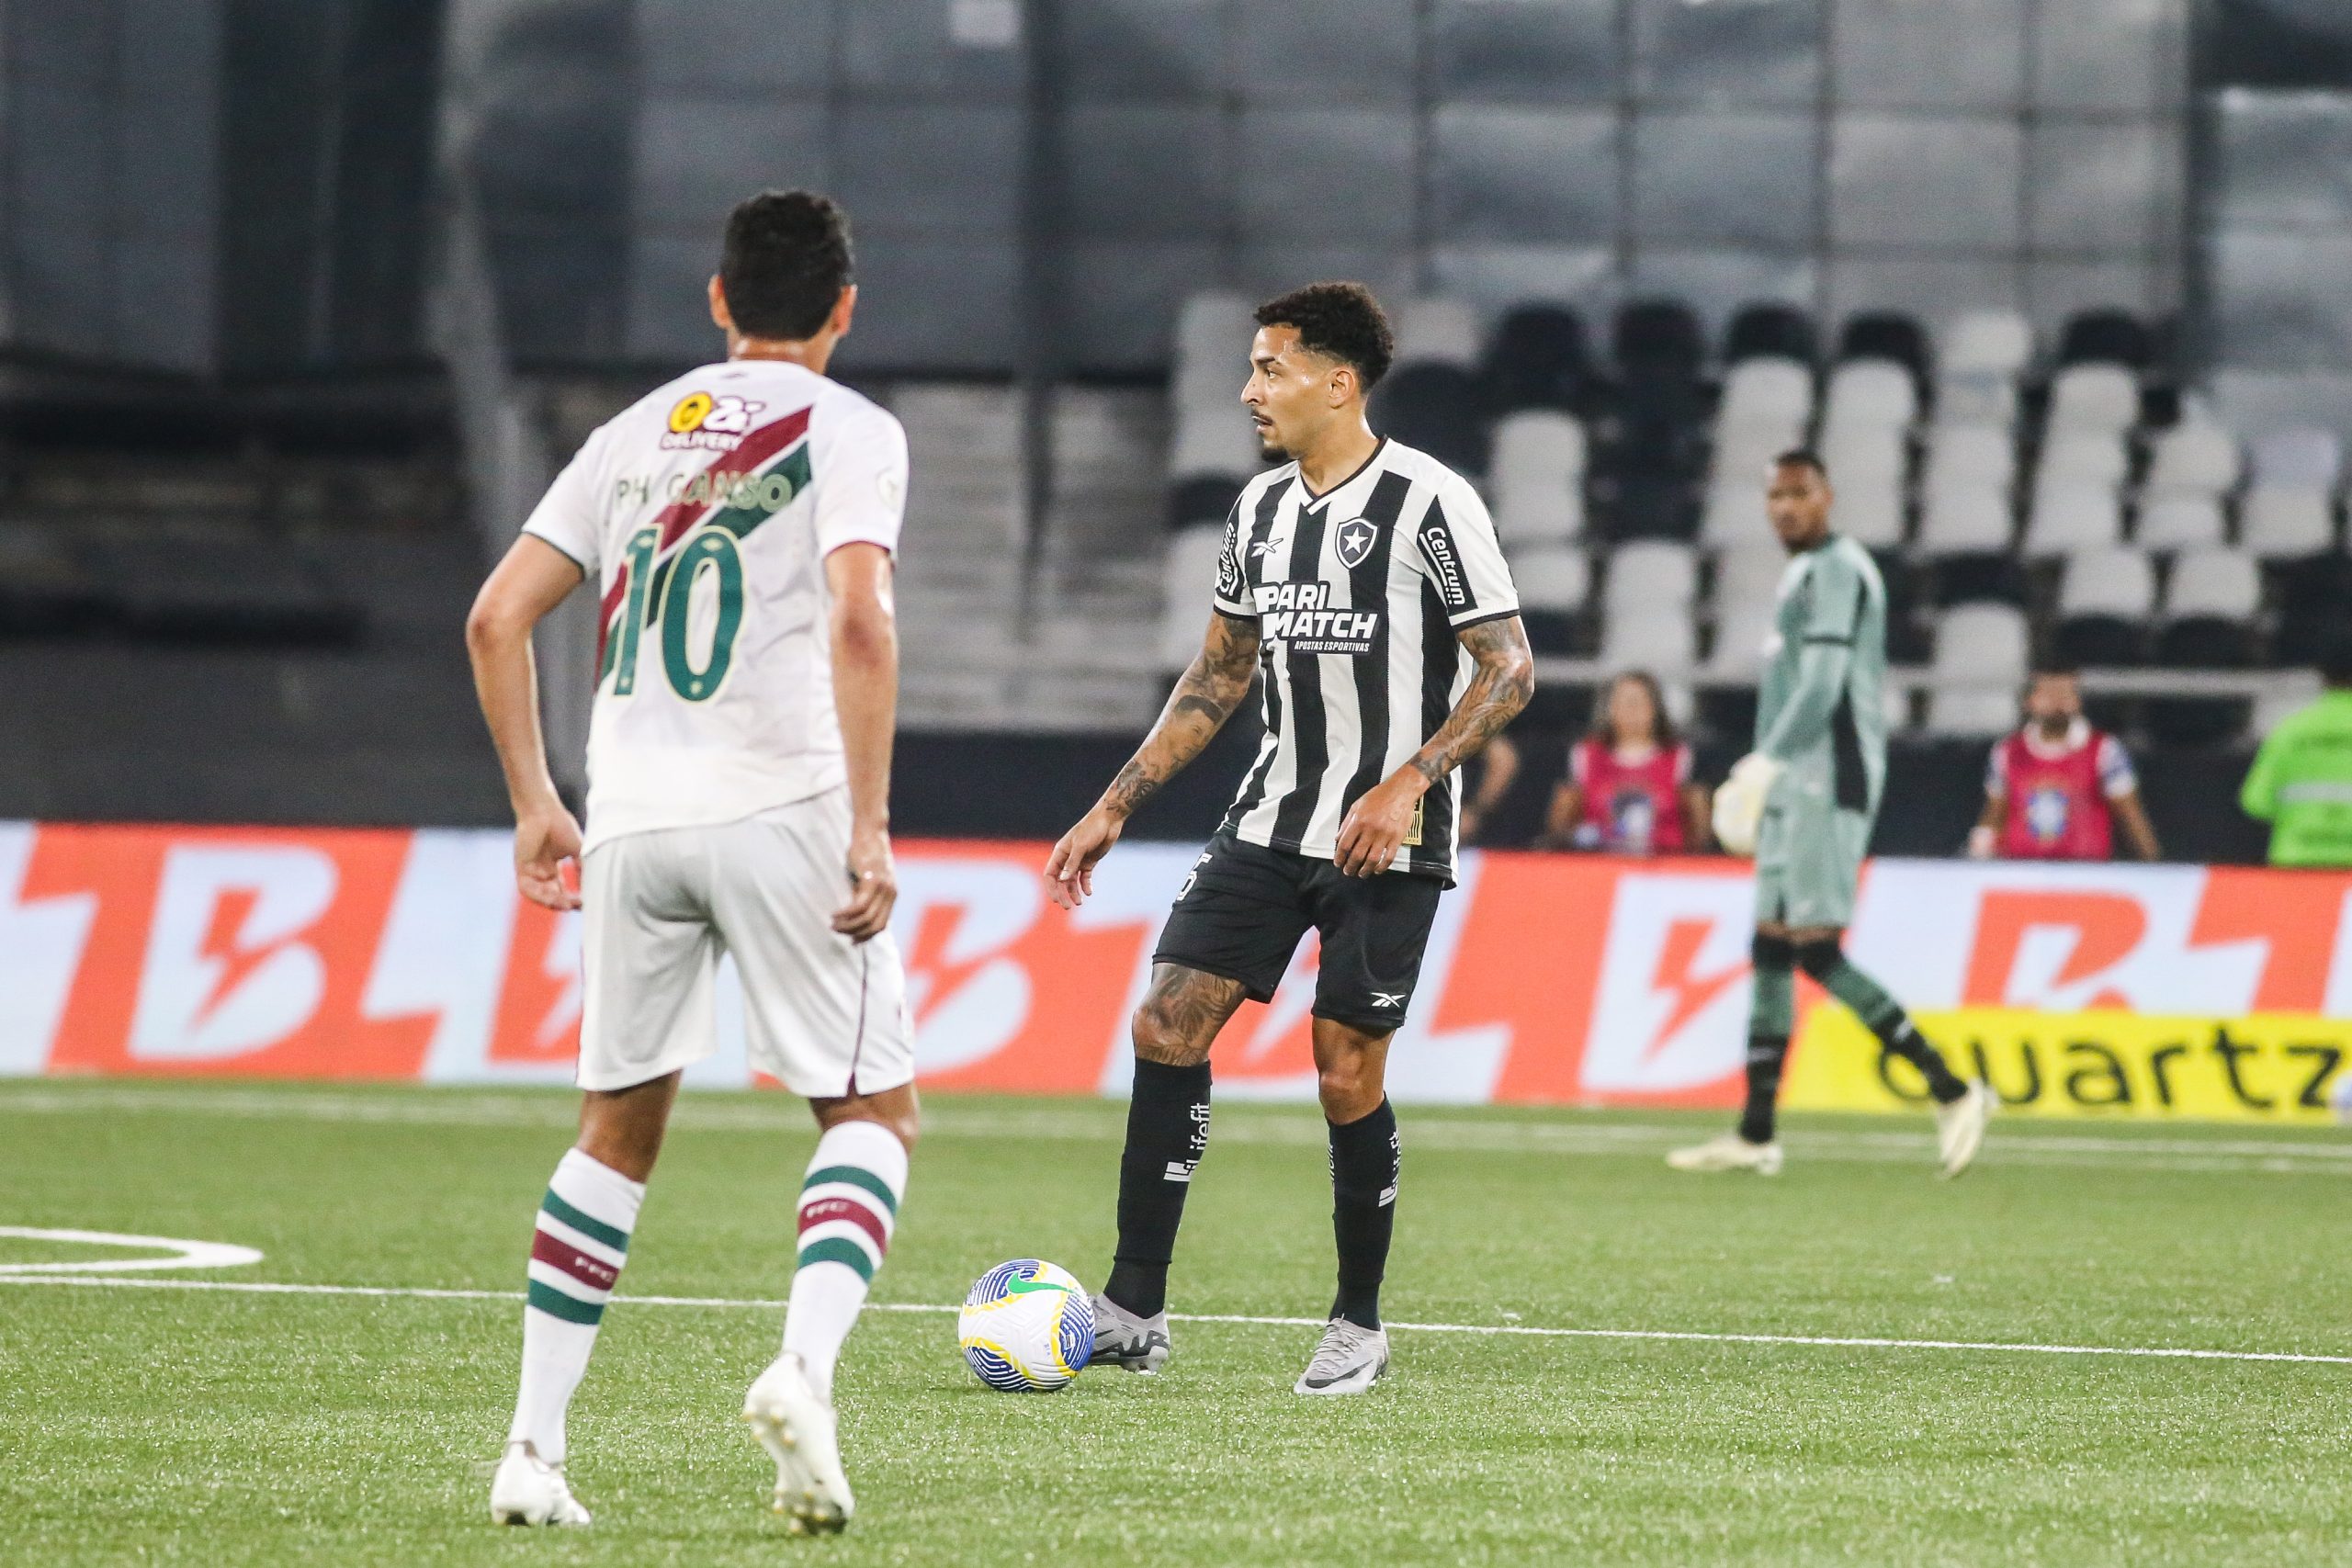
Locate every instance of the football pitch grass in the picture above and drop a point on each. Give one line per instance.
(165, 1423)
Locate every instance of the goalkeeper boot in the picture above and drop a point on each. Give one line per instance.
(1729, 1151)
(1960, 1126)
(1122, 1339)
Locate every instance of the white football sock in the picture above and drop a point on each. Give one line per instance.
(849, 1204)
(576, 1256)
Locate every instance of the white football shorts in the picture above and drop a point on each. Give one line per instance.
(825, 1016)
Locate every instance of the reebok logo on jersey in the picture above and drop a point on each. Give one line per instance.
(702, 423)
(1387, 999)
(1300, 615)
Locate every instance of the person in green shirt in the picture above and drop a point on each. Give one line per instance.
(2301, 779)
(1804, 801)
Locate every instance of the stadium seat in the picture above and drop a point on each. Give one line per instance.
(2106, 598)
(1982, 652)
(2071, 515)
(1652, 575)
(1435, 407)
(1740, 634)
(2082, 456)
(1188, 576)
(2211, 603)
(1205, 498)
(1977, 399)
(1766, 393)
(1998, 343)
(1865, 454)
(1872, 394)
(1650, 506)
(2215, 584)
(2278, 523)
(2093, 397)
(219, 588)
(1554, 583)
(1734, 513)
(1744, 457)
(1663, 641)
(2105, 336)
(1886, 335)
(1435, 330)
(2298, 460)
(1768, 329)
(1652, 338)
(1537, 477)
(2179, 520)
(1962, 516)
(2194, 456)
(1869, 510)
(1536, 358)
(1749, 571)
(1208, 356)
(1970, 454)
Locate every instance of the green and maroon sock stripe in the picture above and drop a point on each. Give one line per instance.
(845, 1218)
(575, 1261)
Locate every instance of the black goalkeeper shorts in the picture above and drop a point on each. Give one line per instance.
(1241, 912)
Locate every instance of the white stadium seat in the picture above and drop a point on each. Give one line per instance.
(2093, 397)
(1651, 575)
(1537, 477)
(1735, 512)
(2226, 584)
(1744, 456)
(1977, 399)
(2114, 580)
(1211, 354)
(1864, 454)
(1766, 393)
(1980, 454)
(2179, 520)
(1740, 636)
(2195, 457)
(1748, 575)
(1216, 441)
(2092, 456)
(2276, 524)
(1962, 518)
(1870, 510)
(2067, 516)
(1871, 393)
(1434, 330)
(2298, 459)
(1662, 641)
(1995, 343)
(1553, 578)
(1981, 650)
(1188, 576)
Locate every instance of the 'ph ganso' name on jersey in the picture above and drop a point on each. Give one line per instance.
(1300, 615)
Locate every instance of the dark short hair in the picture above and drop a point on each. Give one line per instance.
(1802, 457)
(1339, 321)
(786, 261)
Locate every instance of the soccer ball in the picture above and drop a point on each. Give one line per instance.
(1027, 1327)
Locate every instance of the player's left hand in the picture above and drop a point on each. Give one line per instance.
(1376, 825)
(874, 886)
(547, 838)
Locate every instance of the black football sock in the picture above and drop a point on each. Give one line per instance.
(1884, 1017)
(1771, 1013)
(1168, 1130)
(1364, 1161)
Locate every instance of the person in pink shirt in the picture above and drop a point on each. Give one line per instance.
(1629, 788)
(2058, 788)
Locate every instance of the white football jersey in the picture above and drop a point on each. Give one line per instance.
(704, 512)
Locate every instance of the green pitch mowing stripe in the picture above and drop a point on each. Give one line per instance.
(1833, 1341)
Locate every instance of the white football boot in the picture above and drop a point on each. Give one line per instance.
(1729, 1151)
(799, 1431)
(527, 1489)
(1122, 1339)
(1349, 1361)
(1960, 1126)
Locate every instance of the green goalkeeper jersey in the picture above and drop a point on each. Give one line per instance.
(1822, 708)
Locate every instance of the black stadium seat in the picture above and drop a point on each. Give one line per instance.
(1536, 359)
(1437, 408)
(1657, 339)
(1767, 329)
(2100, 639)
(1887, 334)
(2107, 336)
(1205, 498)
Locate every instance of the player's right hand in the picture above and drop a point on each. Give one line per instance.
(545, 837)
(1069, 870)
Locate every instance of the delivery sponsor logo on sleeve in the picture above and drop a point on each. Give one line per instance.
(2273, 1067)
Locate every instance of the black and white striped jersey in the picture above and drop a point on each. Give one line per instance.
(1358, 595)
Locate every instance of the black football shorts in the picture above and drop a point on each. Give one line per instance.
(1244, 907)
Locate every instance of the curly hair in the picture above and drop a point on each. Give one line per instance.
(785, 261)
(1339, 321)
(1662, 733)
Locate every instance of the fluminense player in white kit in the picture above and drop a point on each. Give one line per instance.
(740, 525)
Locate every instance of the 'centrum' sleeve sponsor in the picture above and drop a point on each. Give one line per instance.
(571, 516)
(860, 474)
(1231, 594)
(1462, 560)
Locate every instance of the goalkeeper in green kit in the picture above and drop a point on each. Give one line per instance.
(1803, 803)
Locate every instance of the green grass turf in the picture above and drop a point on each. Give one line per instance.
(173, 1426)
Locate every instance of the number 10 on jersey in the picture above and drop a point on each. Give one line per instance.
(662, 593)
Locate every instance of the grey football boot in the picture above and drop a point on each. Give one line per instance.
(1349, 1359)
(1122, 1339)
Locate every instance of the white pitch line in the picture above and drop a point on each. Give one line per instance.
(1831, 1341)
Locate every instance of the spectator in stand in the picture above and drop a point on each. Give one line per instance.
(1629, 788)
(1494, 767)
(2057, 788)
(2301, 779)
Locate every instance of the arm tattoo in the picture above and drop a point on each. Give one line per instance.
(1205, 697)
(1499, 686)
